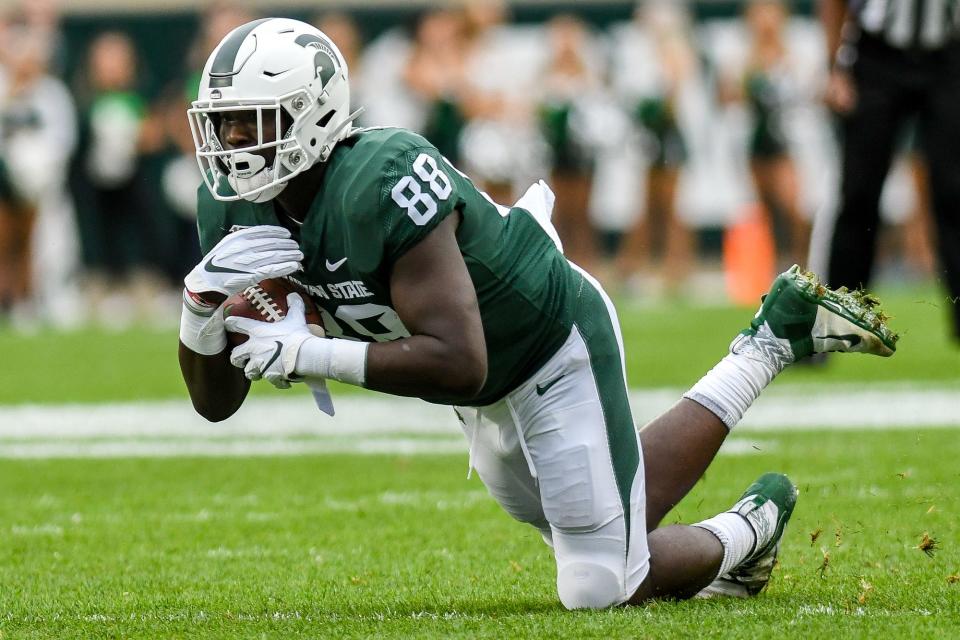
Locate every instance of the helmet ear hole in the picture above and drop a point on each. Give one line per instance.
(322, 122)
(313, 142)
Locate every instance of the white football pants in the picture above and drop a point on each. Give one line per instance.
(561, 453)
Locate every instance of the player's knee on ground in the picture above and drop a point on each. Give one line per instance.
(597, 568)
(587, 585)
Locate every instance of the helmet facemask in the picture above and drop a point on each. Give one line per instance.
(250, 171)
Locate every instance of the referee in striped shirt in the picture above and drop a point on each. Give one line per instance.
(893, 61)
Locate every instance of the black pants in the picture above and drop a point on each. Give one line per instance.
(894, 87)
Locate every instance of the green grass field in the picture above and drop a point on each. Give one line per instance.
(377, 546)
(356, 546)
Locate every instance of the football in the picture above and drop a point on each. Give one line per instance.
(267, 301)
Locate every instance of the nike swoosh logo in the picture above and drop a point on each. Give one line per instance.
(215, 268)
(276, 354)
(852, 338)
(333, 266)
(543, 388)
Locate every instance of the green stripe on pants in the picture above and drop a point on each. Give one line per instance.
(594, 321)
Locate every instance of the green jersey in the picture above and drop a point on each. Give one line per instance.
(382, 192)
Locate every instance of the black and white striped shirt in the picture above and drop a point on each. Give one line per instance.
(910, 24)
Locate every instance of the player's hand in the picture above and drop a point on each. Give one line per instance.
(841, 92)
(271, 352)
(242, 259)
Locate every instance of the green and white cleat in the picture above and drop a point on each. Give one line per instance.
(767, 505)
(805, 317)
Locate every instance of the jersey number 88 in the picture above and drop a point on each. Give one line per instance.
(410, 195)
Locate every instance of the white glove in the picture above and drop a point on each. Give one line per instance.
(242, 259)
(271, 352)
(239, 260)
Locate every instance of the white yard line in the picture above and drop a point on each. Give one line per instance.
(802, 407)
(382, 424)
(274, 448)
(225, 448)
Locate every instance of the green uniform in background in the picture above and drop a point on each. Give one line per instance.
(569, 155)
(383, 191)
(8, 192)
(664, 141)
(768, 139)
(444, 127)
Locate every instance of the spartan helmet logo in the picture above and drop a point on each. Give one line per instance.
(323, 60)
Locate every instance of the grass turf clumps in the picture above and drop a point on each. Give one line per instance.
(865, 306)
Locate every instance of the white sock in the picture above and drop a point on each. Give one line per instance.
(735, 534)
(731, 387)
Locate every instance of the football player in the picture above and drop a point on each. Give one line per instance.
(430, 289)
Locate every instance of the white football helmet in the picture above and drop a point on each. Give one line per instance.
(283, 72)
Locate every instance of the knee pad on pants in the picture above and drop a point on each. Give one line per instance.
(586, 585)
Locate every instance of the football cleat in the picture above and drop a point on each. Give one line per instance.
(800, 317)
(767, 505)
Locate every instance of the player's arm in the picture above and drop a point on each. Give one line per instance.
(217, 389)
(833, 16)
(841, 93)
(445, 358)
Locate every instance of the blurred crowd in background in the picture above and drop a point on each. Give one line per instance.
(676, 148)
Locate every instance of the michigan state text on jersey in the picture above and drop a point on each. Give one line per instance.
(429, 289)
